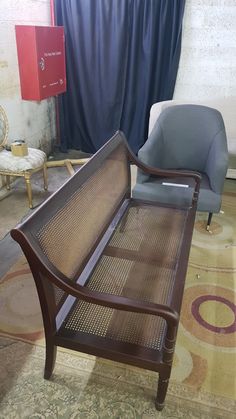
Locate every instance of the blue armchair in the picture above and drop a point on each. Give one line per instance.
(186, 137)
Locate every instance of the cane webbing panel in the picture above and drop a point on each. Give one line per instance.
(59, 294)
(135, 328)
(155, 230)
(139, 263)
(132, 279)
(69, 235)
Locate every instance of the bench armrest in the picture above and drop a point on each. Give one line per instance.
(114, 301)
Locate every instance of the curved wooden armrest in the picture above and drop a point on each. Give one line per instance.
(165, 173)
(114, 301)
(153, 171)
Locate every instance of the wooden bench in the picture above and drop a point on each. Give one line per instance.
(110, 270)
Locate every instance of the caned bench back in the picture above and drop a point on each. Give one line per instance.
(69, 225)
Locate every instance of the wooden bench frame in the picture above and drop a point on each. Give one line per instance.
(46, 276)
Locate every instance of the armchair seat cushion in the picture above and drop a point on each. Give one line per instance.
(154, 190)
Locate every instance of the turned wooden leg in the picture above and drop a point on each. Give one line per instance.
(45, 177)
(29, 190)
(51, 353)
(161, 392)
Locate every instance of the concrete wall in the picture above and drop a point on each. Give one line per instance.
(29, 120)
(207, 66)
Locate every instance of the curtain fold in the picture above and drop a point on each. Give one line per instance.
(121, 57)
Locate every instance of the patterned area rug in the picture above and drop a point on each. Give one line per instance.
(203, 376)
(85, 387)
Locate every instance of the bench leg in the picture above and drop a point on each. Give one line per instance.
(161, 392)
(51, 353)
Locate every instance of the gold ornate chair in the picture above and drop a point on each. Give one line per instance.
(23, 166)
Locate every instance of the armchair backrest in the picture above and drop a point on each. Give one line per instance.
(187, 137)
(188, 133)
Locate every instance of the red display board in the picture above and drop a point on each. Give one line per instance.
(41, 58)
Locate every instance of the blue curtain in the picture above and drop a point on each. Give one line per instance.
(121, 56)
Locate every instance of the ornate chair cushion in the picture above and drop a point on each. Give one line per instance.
(15, 164)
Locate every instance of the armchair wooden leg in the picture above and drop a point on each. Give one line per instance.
(209, 220)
